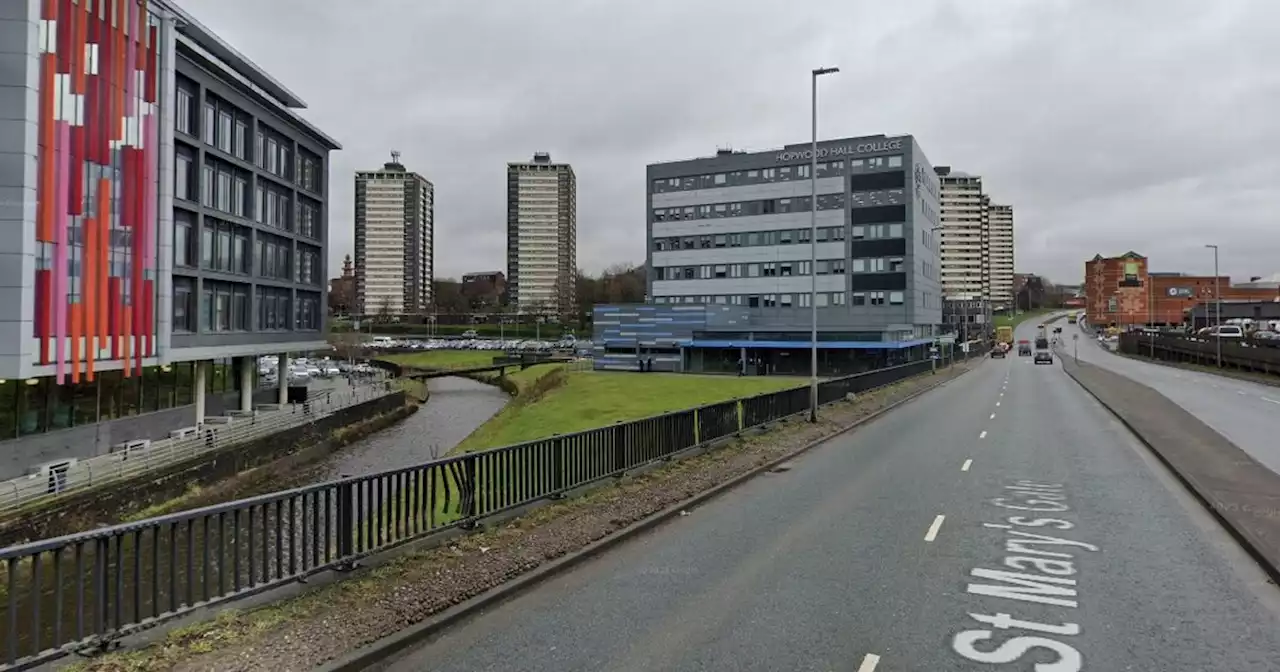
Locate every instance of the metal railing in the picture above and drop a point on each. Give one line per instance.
(61, 479)
(82, 590)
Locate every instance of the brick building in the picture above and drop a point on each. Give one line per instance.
(1120, 291)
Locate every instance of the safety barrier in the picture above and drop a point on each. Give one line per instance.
(83, 590)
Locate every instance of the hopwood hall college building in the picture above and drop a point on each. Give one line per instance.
(730, 268)
(164, 212)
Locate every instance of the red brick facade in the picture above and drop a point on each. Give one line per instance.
(1120, 292)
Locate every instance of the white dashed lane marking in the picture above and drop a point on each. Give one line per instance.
(933, 529)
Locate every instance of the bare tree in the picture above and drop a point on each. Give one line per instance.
(384, 310)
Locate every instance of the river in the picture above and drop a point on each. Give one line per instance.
(195, 558)
(457, 407)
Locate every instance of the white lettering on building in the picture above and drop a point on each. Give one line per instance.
(845, 150)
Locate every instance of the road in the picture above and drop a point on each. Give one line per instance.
(1248, 414)
(882, 551)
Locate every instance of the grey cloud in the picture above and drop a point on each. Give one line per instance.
(1146, 125)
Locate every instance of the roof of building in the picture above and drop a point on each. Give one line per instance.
(205, 40)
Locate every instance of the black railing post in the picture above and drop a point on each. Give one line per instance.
(557, 467)
(619, 447)
(346, 523)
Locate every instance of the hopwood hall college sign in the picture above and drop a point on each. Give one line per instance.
(846, 150)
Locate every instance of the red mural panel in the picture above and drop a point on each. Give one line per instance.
(95, 272)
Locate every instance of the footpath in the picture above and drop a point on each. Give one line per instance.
(1242, 493)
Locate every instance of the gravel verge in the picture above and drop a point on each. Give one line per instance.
(321, 625)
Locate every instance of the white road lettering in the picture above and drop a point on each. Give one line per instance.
(968, 463)
(1025, 587)
(1069, 659)
(1041, 522)
(1005, 621)
(869, 663)
(1035, 568)
(1050, 507)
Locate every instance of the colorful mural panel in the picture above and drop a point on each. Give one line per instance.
(96, 186)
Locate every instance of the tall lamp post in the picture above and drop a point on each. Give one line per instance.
(1217, 300)
(813, 249)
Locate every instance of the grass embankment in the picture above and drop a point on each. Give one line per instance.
(1004, 320)
(557, 401)
(444, 359)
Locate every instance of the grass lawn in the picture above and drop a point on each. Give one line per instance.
(445, 359)
(588, 399)
(1003, 319)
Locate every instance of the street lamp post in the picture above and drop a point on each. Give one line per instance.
(813, 248)
(1217, 300)
(1151, 312)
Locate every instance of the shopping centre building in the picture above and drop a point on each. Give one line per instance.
(166, 211)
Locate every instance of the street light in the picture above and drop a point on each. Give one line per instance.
(1217, 300)
(813, 249)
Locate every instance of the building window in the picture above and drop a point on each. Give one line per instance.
(226, 130)
(225, 247)
(895, 298)
(239, 195)
(273, 156)
(224, 306)
(207, 179)
(183, 239)
(223, 195)
(308, 218)
(185, 114)
(274, 257)
(274, 309)
(240, 143)
(308, 265)
(183, 304)
(183, 176)
(307, 317)
(208, 125)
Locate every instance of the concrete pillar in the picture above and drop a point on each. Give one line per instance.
(201, 384)
(282, 377)
(247, 365)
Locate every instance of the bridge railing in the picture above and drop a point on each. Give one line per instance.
(61, 479)
(83, 590)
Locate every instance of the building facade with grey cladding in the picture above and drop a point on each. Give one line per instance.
(733, 230)
(625, 335)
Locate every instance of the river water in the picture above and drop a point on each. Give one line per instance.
(457, 407)
(200, 560)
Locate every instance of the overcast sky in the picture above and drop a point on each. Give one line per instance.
(1146, 125)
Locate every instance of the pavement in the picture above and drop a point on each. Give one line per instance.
(1002, 520)
(1247, 413)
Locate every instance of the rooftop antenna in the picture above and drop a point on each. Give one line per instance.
(395, 156)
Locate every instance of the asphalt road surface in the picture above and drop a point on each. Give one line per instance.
(1248, 414)
(998, 522)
